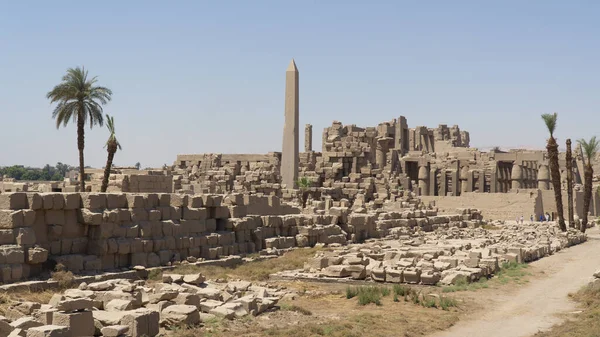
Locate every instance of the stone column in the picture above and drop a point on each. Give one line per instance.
(464, 178)
(516, 176)
(543, 177)
(381, 151)
(423, 180)
(290, 151)
(308, 138)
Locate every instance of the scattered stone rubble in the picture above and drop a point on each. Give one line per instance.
(446, 255)
(123, 307)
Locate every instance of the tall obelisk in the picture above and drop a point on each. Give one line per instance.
(290, 152)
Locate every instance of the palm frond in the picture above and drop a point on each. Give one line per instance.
(590, 148)
(78, 98)
(550, 121)
(112, 138)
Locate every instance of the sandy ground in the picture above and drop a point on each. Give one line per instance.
(541, 303)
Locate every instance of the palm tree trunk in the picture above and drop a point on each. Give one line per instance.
(569, 160)
(552, 148)
(80, 146)
(588, 173)
(111, 156)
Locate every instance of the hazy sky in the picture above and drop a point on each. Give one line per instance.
(208, 76)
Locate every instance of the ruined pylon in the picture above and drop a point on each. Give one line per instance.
(290, 151)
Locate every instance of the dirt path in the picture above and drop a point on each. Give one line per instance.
(541, 303)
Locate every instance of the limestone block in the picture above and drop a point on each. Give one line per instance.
(34, 201)
(47, 200)
(141, 322)
(7, 237)
(16, 200)
(179, 200)
(135, 200)
(74, 304)
(89, 217)
(11, 219)
(29, 217)
(195, 279)
(154, 215)
(357, 272)
(114, 330)
(223, 312)
(25, 236)
(412, 275)
(72, 201)
(49, 331)
(378, 274)
(55, 217)
(194, 213)
(220, 212)
(180, 314)
(58, 201)
(195, 201)
(119, 305)
(12, 254)
(430, 278)
(37, 255)
(139, 214)
(79, 323)
(25, 323)
(335, 271)
(394, 276)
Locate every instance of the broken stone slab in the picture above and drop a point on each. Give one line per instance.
(162, 296)
(141, 322)
(337, 271)
(172, 278)
(119, 305)
(357, 271)
(208, 305)
(222, 312)
(101, 286)
(114, 330)
(74, 304)
(25, 323)
(195, 279)
(180, 314)
(49, 331)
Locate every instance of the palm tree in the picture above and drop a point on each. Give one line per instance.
(79, 100)
(589, 149)
(304, 185)
(112, 144)
(552, 147)
(569, 164)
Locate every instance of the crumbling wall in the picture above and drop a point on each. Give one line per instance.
(90, 232)
(503, 206)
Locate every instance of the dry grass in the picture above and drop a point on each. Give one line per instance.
(330, 313)
(586, 323)
(251, 271)
(9, 298)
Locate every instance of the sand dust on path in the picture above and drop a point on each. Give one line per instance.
(541, 303)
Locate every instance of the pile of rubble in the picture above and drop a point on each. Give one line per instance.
(447, 256)
(122, 307)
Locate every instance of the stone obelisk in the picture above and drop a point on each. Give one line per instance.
(290, 152)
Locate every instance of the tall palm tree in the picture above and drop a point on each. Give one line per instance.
(112, 145)
(552, 147)
(589, 149)
(569, 164)
(79, 100)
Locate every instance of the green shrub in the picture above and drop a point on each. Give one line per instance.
(396, 298)
(368, 295)
(429, 302)
(401, 290)
(385, 291)
(351, 292)
(446, 302)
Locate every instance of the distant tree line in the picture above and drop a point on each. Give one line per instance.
(47, 173)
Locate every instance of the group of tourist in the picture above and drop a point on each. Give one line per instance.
(543, 218)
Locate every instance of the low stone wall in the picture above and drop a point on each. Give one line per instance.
(90, 232)
(503, 206)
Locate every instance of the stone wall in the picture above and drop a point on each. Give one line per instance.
(90, 232)
(497, 206)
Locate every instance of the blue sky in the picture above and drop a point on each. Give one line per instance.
(208, 76)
